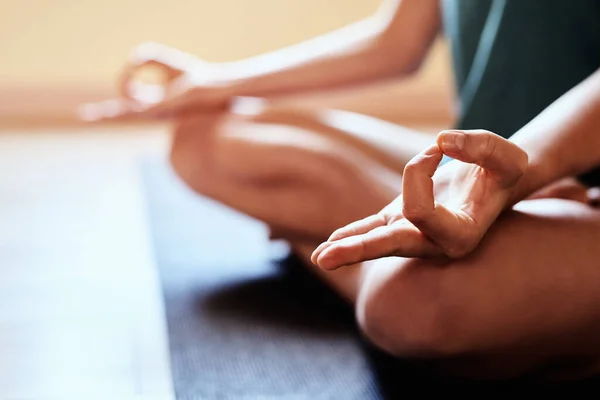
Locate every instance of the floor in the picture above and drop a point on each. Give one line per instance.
(81, 314)
(81, 310)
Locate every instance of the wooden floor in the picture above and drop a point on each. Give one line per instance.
(81, 314)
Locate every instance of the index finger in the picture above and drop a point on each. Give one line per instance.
(504, 159)
(419, 206)
(400, 239)
(150, 54)
(109, 110)
(358, 227)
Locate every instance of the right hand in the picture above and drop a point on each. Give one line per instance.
(189, 85)
(442, 216)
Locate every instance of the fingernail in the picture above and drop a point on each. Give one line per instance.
(334, 236)
(326, 260)
(433, 149)
(452, 141)
(317, 252)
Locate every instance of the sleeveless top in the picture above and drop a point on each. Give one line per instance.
(513, 58)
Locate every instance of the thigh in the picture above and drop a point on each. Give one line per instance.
(303, 166)
(527, 297)
(387, 143)
(538, 271)
(286, 169)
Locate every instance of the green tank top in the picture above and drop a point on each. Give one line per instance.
(513, 58)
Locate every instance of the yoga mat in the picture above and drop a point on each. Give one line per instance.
(243, 324)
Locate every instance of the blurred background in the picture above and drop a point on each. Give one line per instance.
(88, 212)
(56, 54)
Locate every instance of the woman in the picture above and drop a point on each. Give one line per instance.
(469, 289)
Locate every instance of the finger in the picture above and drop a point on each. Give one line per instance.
(190, 101)
(314, 257)
(355, 228)
(125, 109)
(114, 109)
(173, 107)
(504, 159)
(149, 54)
(146, 93)
(391, 240)
(419, 207)
(163, 54)
(166, 109)
(417, 185)
(358, 227)
(125, 84)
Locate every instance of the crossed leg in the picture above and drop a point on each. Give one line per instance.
(304, 172)
(524, 300)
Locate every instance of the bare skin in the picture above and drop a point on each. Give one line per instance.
(395, 40)
(518, 295)
(322, 169)
(399, 302)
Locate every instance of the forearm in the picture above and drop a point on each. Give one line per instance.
(391, 43)
(564, 140)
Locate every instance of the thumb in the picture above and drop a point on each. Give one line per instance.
(504, 159)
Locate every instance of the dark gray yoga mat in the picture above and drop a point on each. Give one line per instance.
(242, 325)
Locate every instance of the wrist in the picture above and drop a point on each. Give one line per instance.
(215, 77)
(228, 90)
(233, 79)
(536, 176)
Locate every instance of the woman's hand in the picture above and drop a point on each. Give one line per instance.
(442, 216)
(188, 84)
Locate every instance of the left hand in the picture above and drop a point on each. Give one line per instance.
(442, 216)
(189, 84)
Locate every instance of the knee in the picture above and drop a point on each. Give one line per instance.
(186, 147)
(234, 146)
(278, 145)
(402, 310)
(192, 153)
(274, 145)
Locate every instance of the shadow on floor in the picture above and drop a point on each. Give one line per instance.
(292, 298)
(243, 327)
